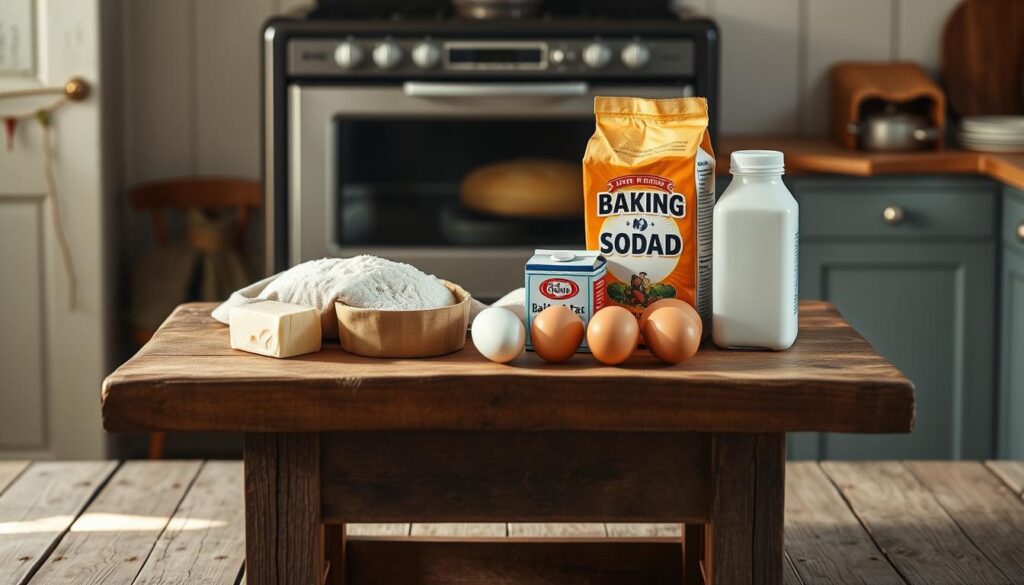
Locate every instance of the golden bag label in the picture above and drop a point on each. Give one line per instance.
(649, 191)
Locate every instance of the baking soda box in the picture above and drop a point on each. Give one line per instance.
(574, 278)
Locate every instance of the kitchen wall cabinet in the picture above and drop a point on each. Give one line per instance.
(922, 291)
(1011, 346)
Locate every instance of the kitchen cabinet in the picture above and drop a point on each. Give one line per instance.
(921, 287)
(928, 308)
(1011, 335)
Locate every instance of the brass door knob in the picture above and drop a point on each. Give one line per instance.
(76, 89)
(893, 214)
(1020, 232)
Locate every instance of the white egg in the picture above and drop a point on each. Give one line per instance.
(498, 334)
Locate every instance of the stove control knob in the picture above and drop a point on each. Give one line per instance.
(348, 55)
(635, 55)
(562, 56)
(426, 55)
(387, 55)
(597, 55)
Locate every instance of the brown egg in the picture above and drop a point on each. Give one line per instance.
(556, 333)
(675, 303)
(672, 333)
(612, 335)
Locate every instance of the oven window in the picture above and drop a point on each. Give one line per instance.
(399, 180)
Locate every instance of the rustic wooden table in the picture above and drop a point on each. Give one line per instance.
(333, 438)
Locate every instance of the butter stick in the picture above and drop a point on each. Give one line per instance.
(275, 329)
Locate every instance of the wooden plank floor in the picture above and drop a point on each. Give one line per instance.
(168, 522)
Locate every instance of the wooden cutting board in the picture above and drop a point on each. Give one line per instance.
(983, 57)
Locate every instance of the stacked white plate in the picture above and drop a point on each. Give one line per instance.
(992, 133)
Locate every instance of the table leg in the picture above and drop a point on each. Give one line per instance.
(769, 512)
(285, 541)
(744, 535)
(334, 540)
(693, 554)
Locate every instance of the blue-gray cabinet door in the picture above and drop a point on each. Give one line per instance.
(1011, 369)
(1011, 324)
(928, 306)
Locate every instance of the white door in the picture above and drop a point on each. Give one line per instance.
(52, 356)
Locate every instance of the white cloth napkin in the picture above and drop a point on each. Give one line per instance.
(244, 296)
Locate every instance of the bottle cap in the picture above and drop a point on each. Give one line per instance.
(760, 162)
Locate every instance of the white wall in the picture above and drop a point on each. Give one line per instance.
(192, 86)
(776, 53)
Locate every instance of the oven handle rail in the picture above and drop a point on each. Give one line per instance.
(429, 89)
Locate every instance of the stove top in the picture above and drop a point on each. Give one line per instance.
(441, 10)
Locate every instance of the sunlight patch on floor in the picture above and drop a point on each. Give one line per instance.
(46, 524)
(100, 522)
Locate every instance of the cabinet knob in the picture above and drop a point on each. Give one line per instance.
(1020, 232)
(893, 214)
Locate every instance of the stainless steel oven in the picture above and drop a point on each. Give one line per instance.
(368, 135)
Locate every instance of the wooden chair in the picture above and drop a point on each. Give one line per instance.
(183, 194)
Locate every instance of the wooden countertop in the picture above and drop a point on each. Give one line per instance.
(823, 155)
(188, 378)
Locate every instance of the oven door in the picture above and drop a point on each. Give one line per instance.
(376, 169)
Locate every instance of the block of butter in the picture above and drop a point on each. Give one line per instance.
(275, 329)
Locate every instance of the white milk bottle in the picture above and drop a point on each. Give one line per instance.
(756, 244)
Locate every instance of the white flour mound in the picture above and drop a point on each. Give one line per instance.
(367, 282)
(363, 281)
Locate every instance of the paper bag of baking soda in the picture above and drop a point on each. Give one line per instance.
(649, 190)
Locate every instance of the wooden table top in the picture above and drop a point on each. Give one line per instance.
(187, 378)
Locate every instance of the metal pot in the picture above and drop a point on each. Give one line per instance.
(892, 131)
(489, 9)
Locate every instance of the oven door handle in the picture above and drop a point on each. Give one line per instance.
(429, 89)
